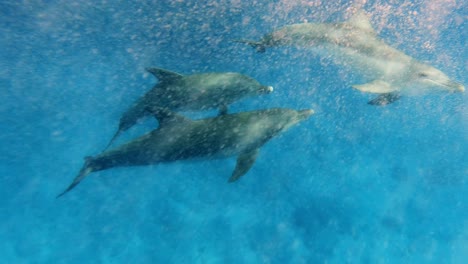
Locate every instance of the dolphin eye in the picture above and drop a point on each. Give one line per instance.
(422, 75)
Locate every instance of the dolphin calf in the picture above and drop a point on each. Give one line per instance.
(201, 91)
(354, 43)
(179, 138)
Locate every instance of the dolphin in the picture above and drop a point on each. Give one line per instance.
(180, 138)
(355, 43)
(201, 91)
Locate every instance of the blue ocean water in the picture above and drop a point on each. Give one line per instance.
(353, 184)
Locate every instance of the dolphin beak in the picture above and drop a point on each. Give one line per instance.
(460, 88)
(457, 87)
(303, 114)
(266, 89)
(454, 86)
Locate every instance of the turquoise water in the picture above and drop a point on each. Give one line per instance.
(355, 183)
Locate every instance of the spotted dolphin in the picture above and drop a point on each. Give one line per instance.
(355, 43)
(180, 138)
(200, 91)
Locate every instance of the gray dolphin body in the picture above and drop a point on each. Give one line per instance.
(202, 91)
(179, 138)
(354, 43)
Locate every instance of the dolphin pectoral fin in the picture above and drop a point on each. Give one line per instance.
(223, 110)
(244, 163)
(164, 75)
(83, 173)
(258, 46)
(376, 86)
(385, 99)
(165, 116)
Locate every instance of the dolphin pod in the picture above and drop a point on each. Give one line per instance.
(354, 43)
(179, 138)
(391, 74)
(191, 92)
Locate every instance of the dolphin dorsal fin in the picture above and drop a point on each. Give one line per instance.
(361, 20)
(165, 116)
(164, 75)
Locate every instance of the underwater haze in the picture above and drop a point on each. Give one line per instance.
(354, 183)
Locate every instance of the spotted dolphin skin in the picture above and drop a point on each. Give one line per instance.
(179, 138)
(202, 91)
(354, 43)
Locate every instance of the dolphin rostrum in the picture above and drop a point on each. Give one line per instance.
(354, 43)
(180, 138)
(201, 91)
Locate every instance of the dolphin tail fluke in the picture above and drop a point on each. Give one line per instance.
(258, 46)
(113, 139)
(83, 173)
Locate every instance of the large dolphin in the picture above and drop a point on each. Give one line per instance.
(354, 43)
(201, 91)
(179, 138)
